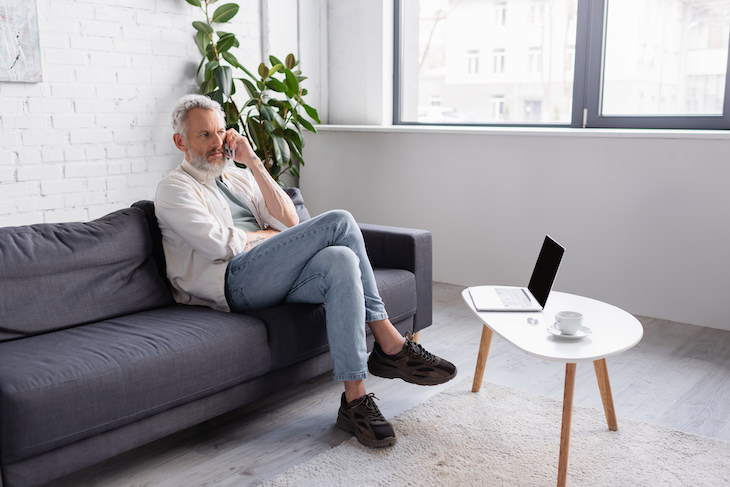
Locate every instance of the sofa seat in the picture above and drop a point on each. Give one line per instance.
(61, 387)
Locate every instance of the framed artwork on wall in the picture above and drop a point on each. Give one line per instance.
(20, 52)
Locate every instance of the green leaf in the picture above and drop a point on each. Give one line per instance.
(303, 121)
(296, 151)
(202, 40)
(224, 78)
(273, 60)
(208, 85)
(267, 112)
(224, 13)
(194, 3)
(216, 95)
(231, 59)
(276, 85)
(202, 27)
(295, 138)
(252, 91)
(275, 68)
(211, 65)
(269, 127)
(210, 52)
(291, 83)
(225, 43)
(231, 116)
(224, 35)
(254, 133)
(312, 112)
(281, 150)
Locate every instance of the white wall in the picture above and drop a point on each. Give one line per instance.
(643, 215)
(95, 135)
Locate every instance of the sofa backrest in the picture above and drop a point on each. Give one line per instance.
(55, 276)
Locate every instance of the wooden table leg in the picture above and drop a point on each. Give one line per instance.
(484, 344)
(565, 428)
(605, 387)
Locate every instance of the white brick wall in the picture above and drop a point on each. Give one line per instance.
(95, 135)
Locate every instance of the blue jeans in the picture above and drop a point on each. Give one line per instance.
(322, 260)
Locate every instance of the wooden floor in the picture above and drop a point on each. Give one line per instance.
(677, 376)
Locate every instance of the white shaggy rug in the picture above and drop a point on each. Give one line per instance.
(505, 437)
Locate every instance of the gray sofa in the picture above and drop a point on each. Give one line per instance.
(97, 359)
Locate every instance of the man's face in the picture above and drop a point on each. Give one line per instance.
(203, 143)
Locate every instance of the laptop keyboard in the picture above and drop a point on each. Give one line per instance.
(513, 298)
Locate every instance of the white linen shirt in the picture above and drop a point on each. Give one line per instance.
(198, 235)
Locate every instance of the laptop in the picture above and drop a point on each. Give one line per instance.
(531, 298)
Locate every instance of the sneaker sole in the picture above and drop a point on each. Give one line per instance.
(396, 373)
(345, 425)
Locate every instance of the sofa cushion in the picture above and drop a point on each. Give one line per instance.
(61, 387)
(397, 288)
(54, 276)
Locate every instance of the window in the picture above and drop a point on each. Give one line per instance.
(537, 11)
(500, 13)
(534, 60)
(498, 107)
(498, 64)
(472, 59)
(592, 63)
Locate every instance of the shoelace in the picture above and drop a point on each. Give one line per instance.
(373, 412)
(416, 349)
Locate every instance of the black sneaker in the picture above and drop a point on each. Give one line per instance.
(412, 364)
(363, 419)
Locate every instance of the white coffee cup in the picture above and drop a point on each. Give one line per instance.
(568, 322)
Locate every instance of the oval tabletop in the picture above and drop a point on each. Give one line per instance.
(612, 330)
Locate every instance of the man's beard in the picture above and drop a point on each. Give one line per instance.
(200, 162)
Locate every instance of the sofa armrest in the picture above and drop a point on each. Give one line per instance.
(409, 249)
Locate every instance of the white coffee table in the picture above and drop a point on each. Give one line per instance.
(613, 331)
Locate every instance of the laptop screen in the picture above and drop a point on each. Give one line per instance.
(545, 270)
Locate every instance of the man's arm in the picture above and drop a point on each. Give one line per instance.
(278, 203)
(255, 238)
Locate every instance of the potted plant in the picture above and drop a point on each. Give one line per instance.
(275, 114)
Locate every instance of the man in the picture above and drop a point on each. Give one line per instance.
(233, 242)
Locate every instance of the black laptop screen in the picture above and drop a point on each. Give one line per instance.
(545, 270)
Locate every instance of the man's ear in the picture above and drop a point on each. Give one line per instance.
(180, 142)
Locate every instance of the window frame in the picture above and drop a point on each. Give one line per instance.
(587, 83)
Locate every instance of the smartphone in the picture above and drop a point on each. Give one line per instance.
(230, 153)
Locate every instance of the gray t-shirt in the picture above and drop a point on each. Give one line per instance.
(243, 219)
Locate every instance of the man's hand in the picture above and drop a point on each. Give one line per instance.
(241, 150)
(277, 201)
(255, 238)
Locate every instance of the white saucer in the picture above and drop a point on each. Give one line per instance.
(581, 333)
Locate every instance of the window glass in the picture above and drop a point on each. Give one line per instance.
(488, 61)
(665, 57)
